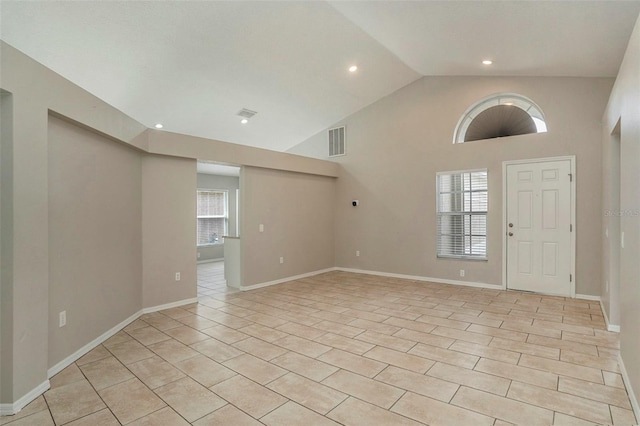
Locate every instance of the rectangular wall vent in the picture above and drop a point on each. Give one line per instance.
(246, 113)
(337, 141)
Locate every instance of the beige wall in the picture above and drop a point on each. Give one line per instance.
(396, 146)
(95, 212)
(624, 106)
(168, 229)
(296, 210)
(231, 184)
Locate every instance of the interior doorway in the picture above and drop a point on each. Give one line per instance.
(539, 240)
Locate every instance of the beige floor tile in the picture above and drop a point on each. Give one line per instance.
(175, 313)
(72, 401)
(173, 351)
(248, 396)
(433, 412)
(163, 417)
(305, 366)
(562, 368)
(155, 372)
(148, 335)
(310, 394)
(204, 370)
(262, 332)
(161, 322)
(344, 343)
(462, 335)
(131, 400)
(374, 326)
(596, 392)
(444, 322)
(266, 320)
(355, 363)
(130, 351)
(525, 348)
(197, 322)
(354, 412)
(400, 359)
(515, 372)
(303, 346)
(225, 334)
(483, 351)
(106, 372)
(187, 335)
(216, 350)
(529, 329)
(254, 368)
(613, 379)
(602, 338)
(33, 407)
(472, 319)
(622, 416)
(189, 398)
(369, 390)
(418, 383)
(563, 344)
(601, 363)
(386, 340)
(560, 419)
(445, 355)
(96, 354)
(41, 418)
(367, 316)
(559, 401)
(120, 337)
(421, 327)
(502, 408)
(292, 414)
(470, 378)
(100, 418)
(498, 332)
(426, 338)
(336, 328)
(69, 375)
(301, 330)
(260, 348)
(227, 416)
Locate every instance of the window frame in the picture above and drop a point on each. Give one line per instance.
(462, 214)
(225, 216)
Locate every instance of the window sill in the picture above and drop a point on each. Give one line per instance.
(210, 245)
(481, 259)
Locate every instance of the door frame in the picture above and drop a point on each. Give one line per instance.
(572, 165)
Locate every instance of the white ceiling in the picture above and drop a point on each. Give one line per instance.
(217, 169)
(193, 65)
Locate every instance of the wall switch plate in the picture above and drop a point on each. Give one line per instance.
(462, 272)
(281, 259)
(261, 228)
(62, 318)
(177, 276)
(357, 253)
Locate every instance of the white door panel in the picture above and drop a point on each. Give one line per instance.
(539, 243)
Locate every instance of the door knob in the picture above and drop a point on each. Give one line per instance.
(511, 234)
(511, 225)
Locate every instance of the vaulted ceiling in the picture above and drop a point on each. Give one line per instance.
(192, 65)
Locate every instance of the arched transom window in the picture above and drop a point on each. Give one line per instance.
(500, 115)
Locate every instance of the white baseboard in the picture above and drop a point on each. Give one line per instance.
(627, 383)
(284, 280)
(420, 278)
(220, 259)
(610, 327)
(588, 297)
(169, 305)
(11, 409)
(91, 345)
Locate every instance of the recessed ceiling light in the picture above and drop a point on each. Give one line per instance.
(487, 62)
(353, 68)
(244, 121)
(158, 126)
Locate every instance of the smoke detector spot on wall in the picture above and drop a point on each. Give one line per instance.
(246, 113)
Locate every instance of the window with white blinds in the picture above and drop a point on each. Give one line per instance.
(213, 216)
(462, 214)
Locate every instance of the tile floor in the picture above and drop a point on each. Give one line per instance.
(343, 348)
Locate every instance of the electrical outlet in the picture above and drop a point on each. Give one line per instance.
(62, 317)
(281, 259)
(261, 228)
(177, 276)
(622, 239)
(462, 272)
(357, 253)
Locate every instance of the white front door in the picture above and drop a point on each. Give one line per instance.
(539, 242)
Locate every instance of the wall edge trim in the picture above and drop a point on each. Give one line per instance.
(169, 305)
(610, 327)
(627, 383)
(589, 297)
(287, 279)
(11, 409)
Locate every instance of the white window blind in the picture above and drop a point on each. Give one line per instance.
(212, 216)
(462, 214)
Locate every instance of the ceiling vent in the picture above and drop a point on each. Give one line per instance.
(337, 141)
(246, 113)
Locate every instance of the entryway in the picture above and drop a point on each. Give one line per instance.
(539, 200)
